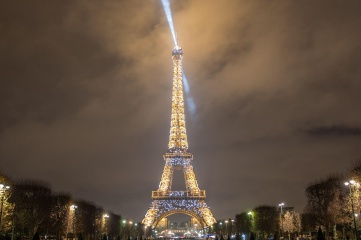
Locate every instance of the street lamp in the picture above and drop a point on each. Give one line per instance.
(232, 223)
(354, 184)
(73, 208)
(226, 223)
(3, 190)
(130, 226)
(122, 231)
(281, 205)
(250, 222)
(106, 216)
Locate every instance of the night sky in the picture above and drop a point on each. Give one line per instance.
(85, 97)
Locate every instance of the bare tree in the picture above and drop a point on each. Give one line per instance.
(291, 222)
(59, 214)
(288, 225)
(33, 203)
(325, 202)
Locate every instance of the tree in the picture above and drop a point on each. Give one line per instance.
(288, 225)
(7, 207)
(88, 218)
(36, 236)
(113, 225)
(276, 236)
(252, 237)
(59, 214)
(243, 222)
(297, 221)
(320, 234)
(265, 220)
(32, 199)
(291, 222)
(325, 202)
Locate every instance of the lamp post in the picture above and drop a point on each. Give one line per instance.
(281, 205)
(106, 216)
(3, 190)
(250, 222)
(352, 184)
(123, 228)
(232, 223)
(220, 223)
(130, 229)
(226, 226)
(73, 208)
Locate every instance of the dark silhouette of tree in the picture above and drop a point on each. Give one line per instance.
(243, 223)
(276, 236)
(265, 219)
(88, 218)
(59, 214)
(113, 224)
(36, 236)
(33, 203)
(320, 234)
(252, 237)
(326, 202)
(104, 237)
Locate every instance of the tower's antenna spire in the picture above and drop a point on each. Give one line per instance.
(176, 39)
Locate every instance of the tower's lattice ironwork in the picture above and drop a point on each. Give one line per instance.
(165, 201)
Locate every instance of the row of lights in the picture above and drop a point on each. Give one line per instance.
(74, 207)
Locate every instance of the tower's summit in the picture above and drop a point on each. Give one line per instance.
(177, 52)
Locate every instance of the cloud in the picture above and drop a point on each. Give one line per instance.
(336, 130)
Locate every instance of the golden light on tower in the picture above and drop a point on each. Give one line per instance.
(165, 201)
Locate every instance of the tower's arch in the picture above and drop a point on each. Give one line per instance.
(181, 211)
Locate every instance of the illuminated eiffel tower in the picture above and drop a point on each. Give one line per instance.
(192, 200)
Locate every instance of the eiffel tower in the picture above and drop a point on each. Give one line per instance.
(191, 201)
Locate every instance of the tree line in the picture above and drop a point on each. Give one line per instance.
(30, 206)
(333, 205)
